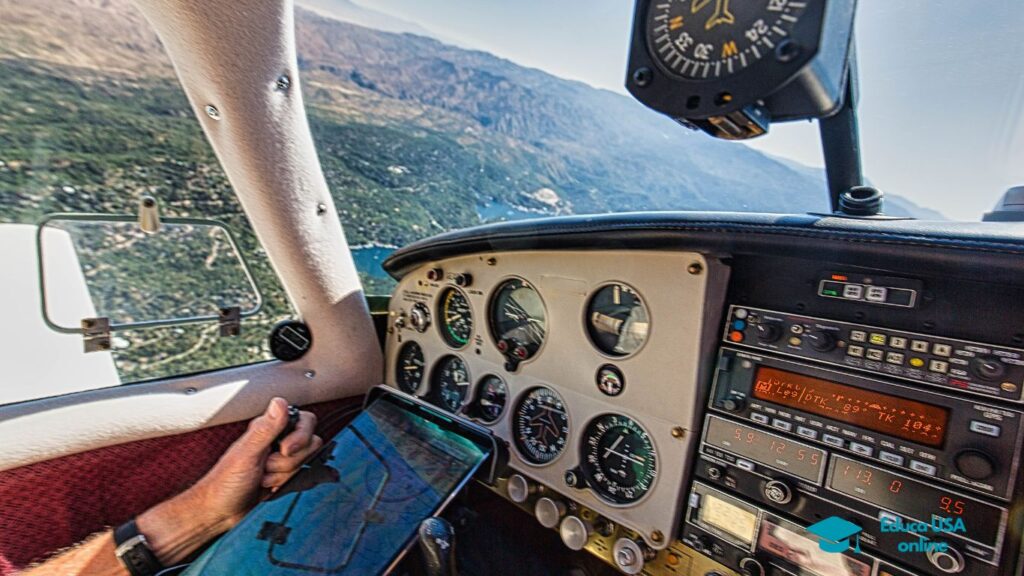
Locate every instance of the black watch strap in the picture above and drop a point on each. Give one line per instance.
(132, 549)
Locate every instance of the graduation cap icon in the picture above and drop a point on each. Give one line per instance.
(834, 534)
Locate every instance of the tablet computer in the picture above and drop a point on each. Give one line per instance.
(354, 508)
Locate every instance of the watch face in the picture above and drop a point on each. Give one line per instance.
(715, 39)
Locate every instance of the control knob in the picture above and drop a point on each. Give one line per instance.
(630, 556)
(519, 488)
(988, 368)
(821, 340)
(549, 512)
(778, 492)
(419, 317)
(751, 566)
(575, 532)
(975, 465)
(949, 561)
(768, 332)
(732, 404)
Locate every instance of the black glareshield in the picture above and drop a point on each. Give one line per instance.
(356, 505)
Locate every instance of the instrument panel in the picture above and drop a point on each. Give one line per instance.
(664, 409)
(585, 363)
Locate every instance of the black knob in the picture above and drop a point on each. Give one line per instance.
(821, 340)
(437, 544)
(975, 465)
(949, 561)
(714, 472)
(778, 492)
(751, 566)
(732, 404)
(435, 274)
(463, 279)
(768, 332)
(988, 368)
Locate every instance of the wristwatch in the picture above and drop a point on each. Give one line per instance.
(132, 549)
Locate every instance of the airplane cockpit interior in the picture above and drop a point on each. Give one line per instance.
(584, 288)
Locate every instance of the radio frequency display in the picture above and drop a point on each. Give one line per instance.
(899, 417)
(768, 449)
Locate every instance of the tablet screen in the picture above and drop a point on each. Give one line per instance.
(356, 506)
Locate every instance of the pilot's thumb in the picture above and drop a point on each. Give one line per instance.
(265, 428)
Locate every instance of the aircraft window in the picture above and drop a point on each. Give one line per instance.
(460, 124)
(94, 118)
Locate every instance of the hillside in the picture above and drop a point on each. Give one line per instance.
(416, 137)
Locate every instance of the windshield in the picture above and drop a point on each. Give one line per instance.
(434, 116)
(530, 117)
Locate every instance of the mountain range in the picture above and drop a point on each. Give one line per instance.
(417, 136)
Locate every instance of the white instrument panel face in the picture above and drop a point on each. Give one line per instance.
(647, 406)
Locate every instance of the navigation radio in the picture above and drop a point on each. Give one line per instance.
(959, 441)
(812, 422)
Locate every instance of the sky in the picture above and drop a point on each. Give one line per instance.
(941, 82)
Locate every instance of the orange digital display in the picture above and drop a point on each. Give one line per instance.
(899, 417)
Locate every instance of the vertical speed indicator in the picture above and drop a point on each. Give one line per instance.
(714, 39)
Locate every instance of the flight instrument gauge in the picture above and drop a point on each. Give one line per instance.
(619, 462)
(411, 367)
(491, 397)
(733, 67)
(617, 320)
(518, 320)
(456, 323)
(712, 39)
(540, 427)
(450, 383)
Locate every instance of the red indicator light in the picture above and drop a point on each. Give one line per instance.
(736, 336)
(840, 278)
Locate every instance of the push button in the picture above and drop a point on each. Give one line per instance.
(923, 467)
(858, 336)
(854, 350)
(874, 354)
(832, 440)
(878, 339)
(853, 291)
(759, 418)
(985, 428)
(807, 432)
(782, 425)
(894, 358)
(862, 449)
(916, 362)
(942, 350)
(919, 345)
(876, 294)
(891, 458)
(898, 342)
(938, 366)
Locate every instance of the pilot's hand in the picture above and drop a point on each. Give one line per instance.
(248, 468)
